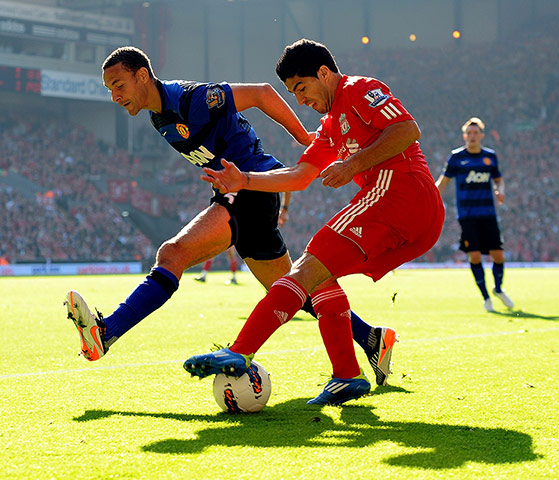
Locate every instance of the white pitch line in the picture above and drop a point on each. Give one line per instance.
(278, 352)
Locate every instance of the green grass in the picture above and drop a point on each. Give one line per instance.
(473, 394)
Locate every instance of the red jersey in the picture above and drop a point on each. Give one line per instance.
(363, 107)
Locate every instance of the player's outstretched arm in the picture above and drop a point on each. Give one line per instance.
(287, 179)
(442, 182)
(266, 98)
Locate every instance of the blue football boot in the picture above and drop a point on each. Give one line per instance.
(340, 390)
(221, 361)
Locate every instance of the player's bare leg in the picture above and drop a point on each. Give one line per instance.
(268, 271)
(204, 237)
(232, 258)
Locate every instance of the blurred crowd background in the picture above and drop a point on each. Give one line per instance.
(66, 195)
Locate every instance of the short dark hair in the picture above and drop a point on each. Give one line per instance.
(131, 58)
(303, 58)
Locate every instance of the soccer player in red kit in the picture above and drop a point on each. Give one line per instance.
(366, 135)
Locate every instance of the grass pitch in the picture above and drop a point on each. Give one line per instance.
(473, 394)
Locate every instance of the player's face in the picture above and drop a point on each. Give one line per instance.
(310, 91)
(127, 88)
(473, 137)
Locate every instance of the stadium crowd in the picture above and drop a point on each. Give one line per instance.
(67, 218)
(513, 87)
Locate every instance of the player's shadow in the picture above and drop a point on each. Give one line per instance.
(523, 314)
(295, 424)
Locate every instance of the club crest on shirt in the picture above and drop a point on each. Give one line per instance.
(486, 160)
(215, 97)
(375, 97)
(344, 124)
(183, 130)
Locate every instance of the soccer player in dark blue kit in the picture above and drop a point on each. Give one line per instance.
(202, 121)
(476, 169)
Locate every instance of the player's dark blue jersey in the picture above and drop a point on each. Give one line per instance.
(473, 173)
(201, 122)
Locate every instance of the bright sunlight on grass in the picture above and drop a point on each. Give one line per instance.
(473, 394)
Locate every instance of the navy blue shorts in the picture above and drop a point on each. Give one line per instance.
(480, 235)
(254, 223)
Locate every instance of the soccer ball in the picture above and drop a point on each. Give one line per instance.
(247, 393)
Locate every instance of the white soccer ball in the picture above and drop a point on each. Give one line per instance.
(247, 393)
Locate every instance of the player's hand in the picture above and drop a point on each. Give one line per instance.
(500, 197)
(337, 174)
(283, 217)
(230, 179)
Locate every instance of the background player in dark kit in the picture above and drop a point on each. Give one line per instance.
(476, 169)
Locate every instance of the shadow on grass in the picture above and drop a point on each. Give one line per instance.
(523, 314)
(296, 424)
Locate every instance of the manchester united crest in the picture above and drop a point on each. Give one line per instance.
(183, 130)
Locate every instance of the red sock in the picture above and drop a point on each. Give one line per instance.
(334, 320)
(207, 265)
(283, 300)
(233, 265)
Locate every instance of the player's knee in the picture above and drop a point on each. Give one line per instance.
(497, 256)
(171, 255)
(475, 257)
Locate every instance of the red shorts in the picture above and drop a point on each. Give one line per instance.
(392, 220)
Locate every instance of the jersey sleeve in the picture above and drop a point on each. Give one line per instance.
(319, 153)
(495, 172)
(207, 103)
(376, 105)
(449, 169)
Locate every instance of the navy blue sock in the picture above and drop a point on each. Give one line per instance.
(498, 273)
(361, 331)
(360, 328)
(479, 275)
(307, 307)
(147, 297)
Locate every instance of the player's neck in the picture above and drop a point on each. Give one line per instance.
(473, 149)
(333, 83)
(155, 103)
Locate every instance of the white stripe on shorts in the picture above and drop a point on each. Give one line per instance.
(372, 197)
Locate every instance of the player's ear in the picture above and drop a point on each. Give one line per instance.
(143, 74)
(323, 72)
